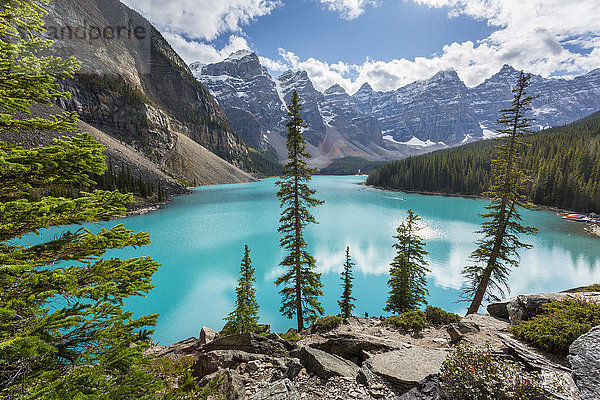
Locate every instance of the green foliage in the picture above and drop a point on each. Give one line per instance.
(351, 166)
(26, 75)
(470, 373)
(559, 324)
(497, 251)
(291, 336)
(302, 285)
(565, 162)
(345, 302)
(409, 321)
(63, 330)
(325, 324)
(592, 288)
(408, 286)
(264, 165)
(437, 316)
(245, 316)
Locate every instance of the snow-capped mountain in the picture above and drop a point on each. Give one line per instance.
(436, 110)
(422, 116)
(310, 97)
(559, 101)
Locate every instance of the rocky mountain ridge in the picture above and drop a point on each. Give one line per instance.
(422, 116)
(134, 87)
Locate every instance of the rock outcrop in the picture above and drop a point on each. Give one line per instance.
(325, 365)
(134, 87)
(584, 356)
(363, 359)
(525, 307)
(406, 368)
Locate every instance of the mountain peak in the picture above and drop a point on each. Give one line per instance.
(238, 55)
(335, 89)
(365, 87)
(449, 74)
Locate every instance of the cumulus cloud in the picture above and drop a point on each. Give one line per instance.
(544, 37)
(192, 51)
(202, 19)
(348, 9)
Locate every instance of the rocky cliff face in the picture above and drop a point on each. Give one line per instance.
(435, 110)
(310, 99)
(133, 86)
(560, 101)
(340, 111)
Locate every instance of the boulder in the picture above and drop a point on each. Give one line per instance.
(525, 307)
(325, 365)
(522, 308)
(355, 346)
(584, 356)
(280, 390)
(212, 361)
(207, 335)
(251, 343)
(457, 330)
(428, 389)
(188, 347)
(365, 377)
(231, 388)
(405, 368)
(498, 309)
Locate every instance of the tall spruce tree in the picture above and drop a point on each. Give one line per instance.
(302, 285)
(498, 249)
(345, 302)
(408, 286)
(63, 330)
(245, 316)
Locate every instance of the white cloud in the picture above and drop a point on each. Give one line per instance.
(539, 36)
(202, 19)
(192, 51)
(348, 9)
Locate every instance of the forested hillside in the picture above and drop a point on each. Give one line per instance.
(564, 163)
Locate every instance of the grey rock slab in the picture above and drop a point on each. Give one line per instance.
(584, 356)
(251, 343)
(407, 367)
(325, 365)
(280, 390)
(212, 361)
(428, 389)
(207, 335)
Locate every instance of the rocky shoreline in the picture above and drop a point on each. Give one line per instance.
(364, 359)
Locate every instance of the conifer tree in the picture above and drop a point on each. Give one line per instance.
(63, 330)
(408, 286)
(302, 285)
(498, 249)
(345, 302)
(245, 316)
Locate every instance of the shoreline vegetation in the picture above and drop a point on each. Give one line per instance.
(591, 228)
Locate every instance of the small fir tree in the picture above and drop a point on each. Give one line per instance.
(498, 250)
(245, 316)
(345, 302)
(302, 285)
(408, 286)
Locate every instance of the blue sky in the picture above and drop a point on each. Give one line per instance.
(388, 43)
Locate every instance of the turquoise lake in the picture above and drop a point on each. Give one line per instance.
(199, 240)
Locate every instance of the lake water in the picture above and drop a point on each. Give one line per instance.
(199, 240)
